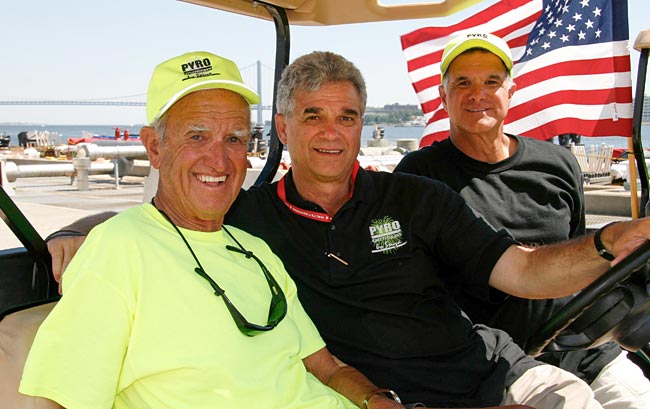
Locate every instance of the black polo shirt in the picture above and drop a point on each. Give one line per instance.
(371, 280)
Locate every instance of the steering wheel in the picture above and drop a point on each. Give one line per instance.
(547, 334)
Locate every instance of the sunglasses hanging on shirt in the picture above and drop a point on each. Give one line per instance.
(278, 307)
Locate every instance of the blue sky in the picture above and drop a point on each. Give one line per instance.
(80, 49)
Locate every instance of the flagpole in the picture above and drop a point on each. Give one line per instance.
(631, 177)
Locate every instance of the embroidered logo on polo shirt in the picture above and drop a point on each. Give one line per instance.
(386, 235)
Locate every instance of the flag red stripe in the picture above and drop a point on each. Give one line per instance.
(426, 83)
(575, 67)
(583, 127)
(431, 105)
(430, 138)
(432, 33)
(581, 97)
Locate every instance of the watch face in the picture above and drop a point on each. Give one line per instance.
(600, 248)
(389, 393)
(602, 252)
(394, 396)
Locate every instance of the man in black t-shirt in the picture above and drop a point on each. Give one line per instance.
(532, 189)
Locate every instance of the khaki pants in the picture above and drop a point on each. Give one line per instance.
(622, 385)
(17, 332)
(549, 387)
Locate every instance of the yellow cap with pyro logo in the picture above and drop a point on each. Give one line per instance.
(173, 79)
(466, 41)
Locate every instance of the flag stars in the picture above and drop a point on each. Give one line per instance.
(552, 34)
(564, 38)
(546, 46)
(577, 17)
(558, 23)
(597, 12)
(582, 35)
(598, 32)
(584, 3)
(570, 28)
(589, 24)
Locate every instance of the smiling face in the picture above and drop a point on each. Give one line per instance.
(476, 93)
(323, 133)
(201, 157)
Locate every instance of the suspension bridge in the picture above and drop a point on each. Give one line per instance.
(251, 74)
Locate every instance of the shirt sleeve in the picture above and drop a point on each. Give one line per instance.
(78, 351)
(464, 240)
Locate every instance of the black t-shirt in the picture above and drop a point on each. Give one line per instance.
(536, 194)
(371, 280)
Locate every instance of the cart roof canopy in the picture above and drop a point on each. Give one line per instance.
(333, 12)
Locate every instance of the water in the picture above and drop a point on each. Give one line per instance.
(391, 133)
(66, 131)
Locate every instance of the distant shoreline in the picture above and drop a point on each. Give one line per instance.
(391, 133)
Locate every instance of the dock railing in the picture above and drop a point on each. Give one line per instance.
(595, 162)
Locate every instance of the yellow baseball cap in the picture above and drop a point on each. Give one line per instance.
(173, 79)
(466, 41)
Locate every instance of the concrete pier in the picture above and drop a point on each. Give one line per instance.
(50, 203)
(608, 200)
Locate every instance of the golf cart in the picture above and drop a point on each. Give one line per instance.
(615, 307)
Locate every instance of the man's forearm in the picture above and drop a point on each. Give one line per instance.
(85, 224)
(64, 243)
(353, 384)
(562, 269)
(346, 380)
(551, 271)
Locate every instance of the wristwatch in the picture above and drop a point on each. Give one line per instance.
(389, 393)
(600, 248)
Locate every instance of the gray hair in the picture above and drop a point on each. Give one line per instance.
(310, 72)
(159, 124)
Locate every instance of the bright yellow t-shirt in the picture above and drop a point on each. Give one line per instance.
(138, 328)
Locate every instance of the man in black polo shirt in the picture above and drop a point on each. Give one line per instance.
(368, 252)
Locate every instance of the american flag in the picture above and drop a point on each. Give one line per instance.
(572, 66)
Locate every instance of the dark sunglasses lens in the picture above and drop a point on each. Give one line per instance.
(251, 332)
(277, 313)
(278, 309)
